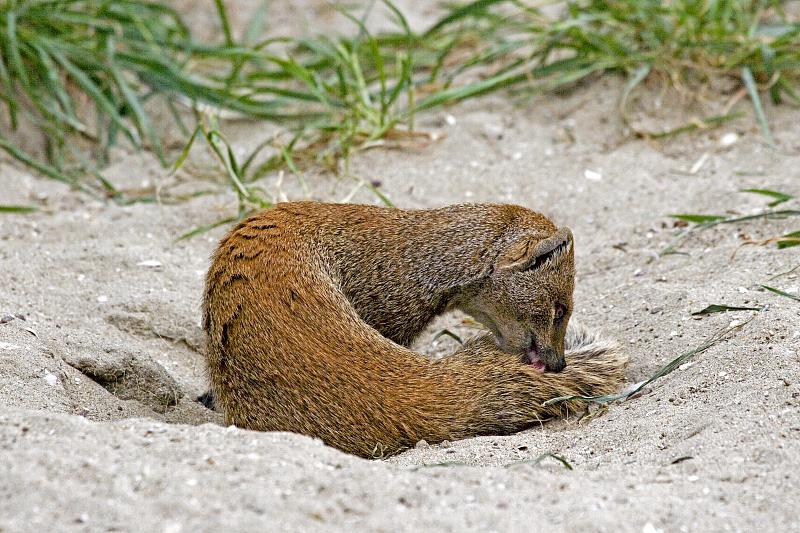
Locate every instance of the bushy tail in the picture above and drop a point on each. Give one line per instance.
(595, 367)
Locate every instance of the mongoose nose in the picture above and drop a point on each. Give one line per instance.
(554, 361)
(559, 365)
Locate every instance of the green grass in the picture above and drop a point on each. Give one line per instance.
(17, 209)
(82, 72)
(722, 308)
(87, 73)
(238, 173)
(702, 222)
(782, 293)
(370, 85)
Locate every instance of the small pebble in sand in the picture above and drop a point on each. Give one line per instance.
(151, 263)
(51, 379)
(685, 366)
(728, 139)
(102, 299)
(650, 528)
(699, 163)
(592, 175)
(173, 527)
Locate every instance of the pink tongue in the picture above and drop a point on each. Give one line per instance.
(535, 362)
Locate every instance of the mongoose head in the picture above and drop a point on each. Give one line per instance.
(526, 300)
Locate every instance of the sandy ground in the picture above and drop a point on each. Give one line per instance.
(100, 347)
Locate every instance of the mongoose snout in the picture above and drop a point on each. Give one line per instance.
(544, 359)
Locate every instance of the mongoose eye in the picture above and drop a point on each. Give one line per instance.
(561, 310)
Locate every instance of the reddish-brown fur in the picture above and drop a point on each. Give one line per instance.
(309, 309)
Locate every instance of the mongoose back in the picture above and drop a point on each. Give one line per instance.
(309, 308)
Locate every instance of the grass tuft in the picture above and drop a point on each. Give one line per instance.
(82, 72)
(86, 73)
(704, 222)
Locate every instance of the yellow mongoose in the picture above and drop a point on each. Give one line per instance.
(309, 308)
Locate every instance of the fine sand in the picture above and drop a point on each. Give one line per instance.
(101, 347)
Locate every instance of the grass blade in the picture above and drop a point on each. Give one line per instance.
(380, 194)
(469, 10)
(186, 149)
(699, 219)
(47, 170)
(752, 91)
(638, 77)
(721, 308)
(540, 458)
(788, 240)
(17, 209)
(447, 333)
(222, 13)
(85, 82)
(781, 293)
(204, 228)
(140, 117)
(779, 197)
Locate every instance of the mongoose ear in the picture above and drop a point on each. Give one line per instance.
(531, 253)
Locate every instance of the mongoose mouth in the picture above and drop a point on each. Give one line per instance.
(532, 357)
